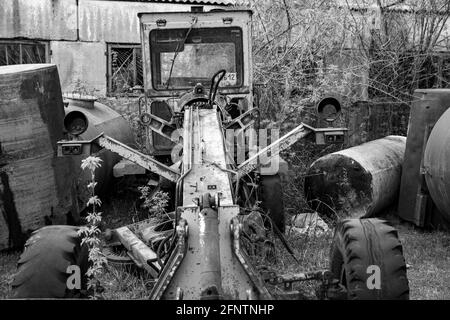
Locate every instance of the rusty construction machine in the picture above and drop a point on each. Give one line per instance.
(198, 89)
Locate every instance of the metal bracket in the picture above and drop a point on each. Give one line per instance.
(244, 121)
(328, 135)
(235, 228)
(159, 125)
(173, 262)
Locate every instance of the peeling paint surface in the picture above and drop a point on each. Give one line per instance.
(118, 21)
(38, 19)
(85, 61)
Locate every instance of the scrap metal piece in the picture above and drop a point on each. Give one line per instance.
(141, 253)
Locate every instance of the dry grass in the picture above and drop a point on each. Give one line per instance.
(125, 283)
(428, 254)
(8, 262)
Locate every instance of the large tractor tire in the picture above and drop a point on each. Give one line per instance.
(42, 267)
(360, 243)
(272, 199)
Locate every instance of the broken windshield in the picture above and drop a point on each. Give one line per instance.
(205, 51)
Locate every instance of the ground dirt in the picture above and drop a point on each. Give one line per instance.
(427, 254)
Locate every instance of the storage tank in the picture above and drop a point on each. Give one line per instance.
(436, 165)
(356, 182)
(101, 119)
(36, 187)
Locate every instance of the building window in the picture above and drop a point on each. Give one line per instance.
(125, 73)
(20, 52)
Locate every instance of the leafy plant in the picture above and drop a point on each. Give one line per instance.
(154, 201)
(90, 233)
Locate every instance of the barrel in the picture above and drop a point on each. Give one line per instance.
(356, 182)
(436, 165)
(101, 119)
(36, 187)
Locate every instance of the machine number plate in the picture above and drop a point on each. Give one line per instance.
(229, 79)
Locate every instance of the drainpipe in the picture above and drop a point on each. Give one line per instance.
(78, 20)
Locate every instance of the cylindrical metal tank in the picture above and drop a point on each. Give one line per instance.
(436, 164)
(101, 119)
(356, 182)
(36, 187)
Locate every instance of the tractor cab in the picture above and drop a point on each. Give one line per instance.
(182, 51)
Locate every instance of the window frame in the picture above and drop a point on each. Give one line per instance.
(155, 58)
(109, 47)
(21, 42)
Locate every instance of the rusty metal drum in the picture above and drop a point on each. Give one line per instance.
(36, 187)
(356, 182)
(436, 164)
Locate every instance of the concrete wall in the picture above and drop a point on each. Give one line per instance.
(117, 21)
(84, 61)
(78, 32)
(38, 19)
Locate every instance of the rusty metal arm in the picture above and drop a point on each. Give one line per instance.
(244, 121)
(159, 125)
(322, 136)
(66, 148)
(282, 143)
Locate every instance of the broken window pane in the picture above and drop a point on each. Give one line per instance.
(125, 69)
(33, 53)
(22, 52)
(13, 53)
(2, 54)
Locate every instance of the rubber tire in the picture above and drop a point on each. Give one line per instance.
(41, 270)
(272, 199)
(359, 243)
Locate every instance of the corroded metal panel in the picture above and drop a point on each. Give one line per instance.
(71, 59)
(118, 21)
(36, 187)
(38, 19)
(436, 165)
(426, 109)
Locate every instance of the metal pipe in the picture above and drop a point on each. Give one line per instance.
(210, 282)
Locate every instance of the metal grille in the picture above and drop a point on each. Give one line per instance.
(125, 69)
(22, 52)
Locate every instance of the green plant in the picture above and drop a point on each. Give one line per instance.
(81, 87)
(154, 201)
(90, 233)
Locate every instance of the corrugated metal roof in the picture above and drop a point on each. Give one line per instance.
(403, 6)
(210, 2)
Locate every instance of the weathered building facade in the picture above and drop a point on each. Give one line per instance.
(94, 43)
